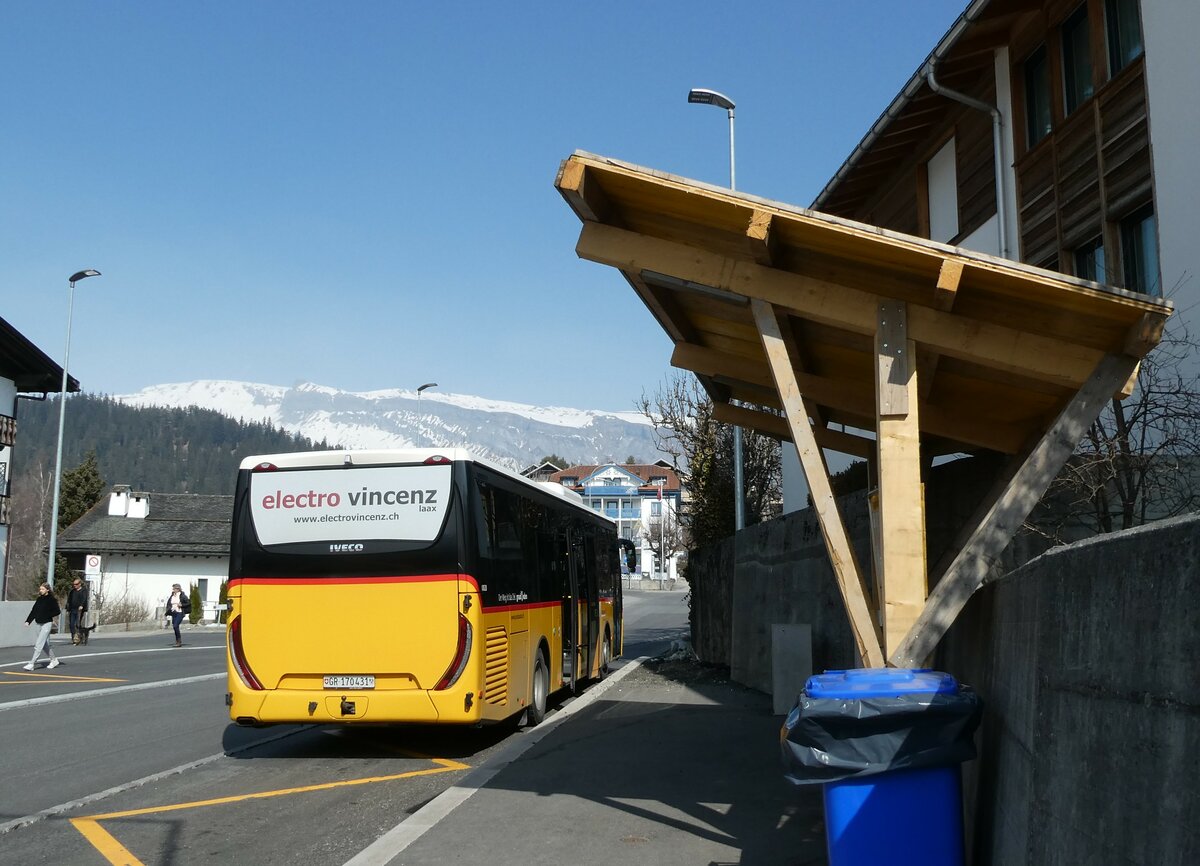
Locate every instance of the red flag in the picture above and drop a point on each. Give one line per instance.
(660, 487)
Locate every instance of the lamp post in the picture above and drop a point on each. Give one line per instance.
(62, 415)
(704, 96)
(419, 390)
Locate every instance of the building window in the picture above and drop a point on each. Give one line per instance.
(1037, 97)
(942, 172)
(1139, 252)
(655, 509)
(1077, 59)
(1089, 261)
(570, 481)
(1124, 33)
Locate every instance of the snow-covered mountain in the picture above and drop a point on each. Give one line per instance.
(513, 434)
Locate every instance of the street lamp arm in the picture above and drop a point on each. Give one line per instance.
(705, 96)
(80, 275)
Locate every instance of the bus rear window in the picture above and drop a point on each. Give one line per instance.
(393, 503)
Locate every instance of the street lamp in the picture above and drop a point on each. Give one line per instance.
(704, 96)
(419, 390)
(62, 414)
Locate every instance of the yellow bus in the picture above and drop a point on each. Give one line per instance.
(418, 585)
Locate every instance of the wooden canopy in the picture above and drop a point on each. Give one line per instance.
(912, 348)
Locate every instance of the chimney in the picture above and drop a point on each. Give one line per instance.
(139, 505)
(118, 502)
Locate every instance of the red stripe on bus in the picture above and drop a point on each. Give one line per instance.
(334, 581)
(504, 608)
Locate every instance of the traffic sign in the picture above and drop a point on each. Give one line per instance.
(92, 564)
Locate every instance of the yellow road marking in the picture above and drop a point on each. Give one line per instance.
(32, 676)
(118, 855)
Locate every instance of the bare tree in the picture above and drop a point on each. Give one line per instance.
(700, 449)
(664, 535)
(1140, 460)
(32, 493)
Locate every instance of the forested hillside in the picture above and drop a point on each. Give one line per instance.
(154, 449)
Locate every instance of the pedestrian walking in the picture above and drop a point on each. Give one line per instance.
(45, 609)
(77, 605)
(178, 604)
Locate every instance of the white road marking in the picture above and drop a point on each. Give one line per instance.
(165, 649)
(96, 693)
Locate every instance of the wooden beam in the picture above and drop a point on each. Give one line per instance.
(777, 428)
(837, 542)
(584, 196)
(944, 295)
(901, 535)
(1130, 383)
(840, 394)
(973, 562)
(853, 309)
(758, 236)
(893, 368)
(946, 291)
(663, 307)
(800, 364)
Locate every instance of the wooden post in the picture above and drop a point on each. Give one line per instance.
(841, 554)
(901, 504)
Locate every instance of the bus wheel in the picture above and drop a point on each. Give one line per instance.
(606, 656)
(540, 691)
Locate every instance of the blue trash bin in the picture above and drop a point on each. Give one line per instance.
(886, 744)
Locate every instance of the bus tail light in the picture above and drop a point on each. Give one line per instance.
(437, 460)
(450, 677)
(238, 654)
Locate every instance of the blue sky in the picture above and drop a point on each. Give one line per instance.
(361, 194)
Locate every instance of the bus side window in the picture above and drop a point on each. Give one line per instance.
(484, 523)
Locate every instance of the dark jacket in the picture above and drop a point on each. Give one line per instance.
(44, 609)
(77, 598)
(185, 603)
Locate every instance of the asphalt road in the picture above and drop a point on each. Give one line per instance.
(124, 754)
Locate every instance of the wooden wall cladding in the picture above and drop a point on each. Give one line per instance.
(1078, 178)
(1125, 141)
(1038, 198)
(1092, 169)
(975, 158)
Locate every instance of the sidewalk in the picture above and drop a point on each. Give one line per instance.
(670, 764)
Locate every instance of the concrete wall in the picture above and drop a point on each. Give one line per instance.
(1085, 657)
(12, 624)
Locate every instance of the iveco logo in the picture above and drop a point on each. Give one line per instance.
(345, 548)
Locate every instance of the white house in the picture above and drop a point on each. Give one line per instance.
(147, 541)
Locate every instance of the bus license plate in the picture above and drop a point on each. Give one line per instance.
(347, 681)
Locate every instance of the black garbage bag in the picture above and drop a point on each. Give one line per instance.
(831, 739)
